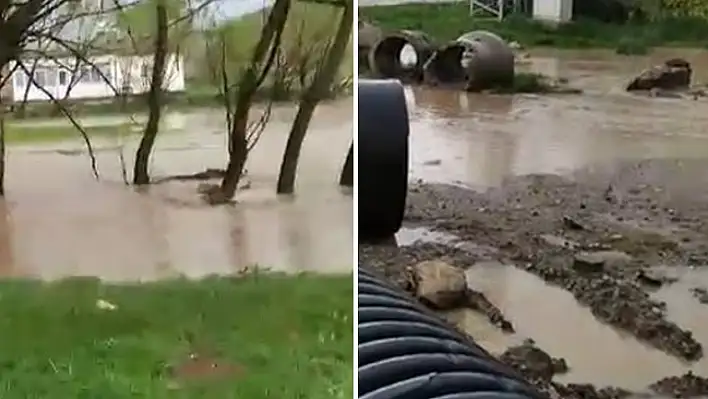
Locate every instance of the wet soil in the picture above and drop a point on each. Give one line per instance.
(593, 208)
(58, 221)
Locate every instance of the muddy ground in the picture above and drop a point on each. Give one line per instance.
(596, 234)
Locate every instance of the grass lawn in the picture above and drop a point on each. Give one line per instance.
(258, 336)
(449, 21)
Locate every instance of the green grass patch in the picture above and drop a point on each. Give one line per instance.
(18, 134)
(449, 21)
(258, 336)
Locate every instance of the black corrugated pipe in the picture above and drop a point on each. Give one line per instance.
(382, 156)
(408, 352)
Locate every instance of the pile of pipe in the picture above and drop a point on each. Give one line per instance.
(475, 61)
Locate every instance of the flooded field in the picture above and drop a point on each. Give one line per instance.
(481, 139)
(517, 188)
(58, 221)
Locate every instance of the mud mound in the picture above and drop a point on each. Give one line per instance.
(534, 363)
(684, 386)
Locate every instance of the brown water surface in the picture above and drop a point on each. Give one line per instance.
(481, 139)
(58, 221)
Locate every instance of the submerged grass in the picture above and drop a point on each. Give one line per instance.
(259, 336)
(449, 21)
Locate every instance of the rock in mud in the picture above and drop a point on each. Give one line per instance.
(673, 74)
(439, 284)
(653, 278)
(688, 385)
(533, 362)
(598, 261)
(701, 294)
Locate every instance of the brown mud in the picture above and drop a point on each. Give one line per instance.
(583, 219)
(57, 221)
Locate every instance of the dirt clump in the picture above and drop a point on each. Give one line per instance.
(687, 385)
(532, 362)
(672, 74)
(701, 294)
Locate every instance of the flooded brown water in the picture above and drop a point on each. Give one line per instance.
(479, 140)
(58, 221)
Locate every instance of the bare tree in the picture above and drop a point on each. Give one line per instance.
(318, 89)
(142, 156)
(240, 142)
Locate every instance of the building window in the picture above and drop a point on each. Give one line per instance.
(40, 77)
(146, 71)
(105, 70)
(62, 77)
(20, 80)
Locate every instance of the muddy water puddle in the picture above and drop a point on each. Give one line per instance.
(58, 221)
(478, 140)
(596, 353)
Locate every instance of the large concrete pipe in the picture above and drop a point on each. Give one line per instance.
(406, 351)
(476, 61)
(382, 148)
(369, 34)
(385, 55)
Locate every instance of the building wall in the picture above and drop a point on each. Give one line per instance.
(62, 80)
(556, 11)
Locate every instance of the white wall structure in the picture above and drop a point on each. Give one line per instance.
(556, 11)
(63, 78)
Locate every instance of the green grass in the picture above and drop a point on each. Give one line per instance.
(449, 21)
(270, 336)
(18, 134)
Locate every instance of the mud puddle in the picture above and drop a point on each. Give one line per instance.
(527, 300)
(59, 222)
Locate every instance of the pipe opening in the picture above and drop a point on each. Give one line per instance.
(448, 66)
(395, 57)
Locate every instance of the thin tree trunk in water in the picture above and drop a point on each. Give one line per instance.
(2, 149)
(346, 179)
(248, 85)
(312, 96)
(142, 156)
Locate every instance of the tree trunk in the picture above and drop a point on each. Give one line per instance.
(248, 85)
(346, 179)
(2, 149)
(142, 156)
(311, 97)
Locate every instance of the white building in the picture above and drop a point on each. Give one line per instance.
(109, 75)
(554, 11)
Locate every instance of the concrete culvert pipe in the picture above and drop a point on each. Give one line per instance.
(408, 351)
(385, 58)
(382, 148)
(477, 60)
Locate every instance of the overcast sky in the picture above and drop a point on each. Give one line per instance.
(234, 8)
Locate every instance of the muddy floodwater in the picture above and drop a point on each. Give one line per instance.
(481, 139)
(58, 221)
(497, 180)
